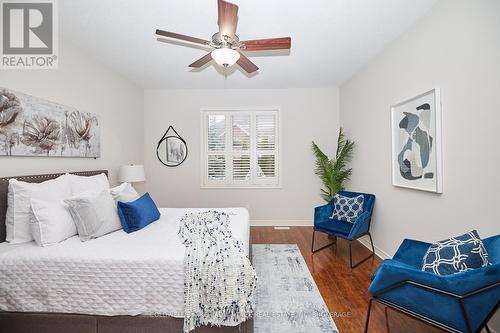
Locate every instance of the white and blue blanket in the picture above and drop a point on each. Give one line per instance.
(220, 282)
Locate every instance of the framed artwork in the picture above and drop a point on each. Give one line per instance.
(416, 142)
(176, 150)
(31, 126)
(171, 149)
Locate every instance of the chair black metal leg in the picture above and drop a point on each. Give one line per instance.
(487, 328)
(367, 322)
(387, 327)
(323, 247)
(312, 244)
(362, 261)
(371, 242)
(350, 254)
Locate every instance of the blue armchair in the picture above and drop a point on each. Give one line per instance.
(461, 302)
(346, 230)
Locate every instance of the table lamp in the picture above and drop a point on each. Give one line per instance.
(132, 173)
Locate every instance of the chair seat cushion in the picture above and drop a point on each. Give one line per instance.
(455, 255)
(341, 227)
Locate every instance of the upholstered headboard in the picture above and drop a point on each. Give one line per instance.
(4, 186)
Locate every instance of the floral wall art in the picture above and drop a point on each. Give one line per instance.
(31, 126)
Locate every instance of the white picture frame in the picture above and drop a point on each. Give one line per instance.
(416, 142)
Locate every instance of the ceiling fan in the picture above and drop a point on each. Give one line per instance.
(226, 44)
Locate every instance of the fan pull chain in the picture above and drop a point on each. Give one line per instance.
(225, 77)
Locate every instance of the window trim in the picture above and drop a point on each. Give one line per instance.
(203, 152)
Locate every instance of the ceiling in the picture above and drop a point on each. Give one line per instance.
(331, 39)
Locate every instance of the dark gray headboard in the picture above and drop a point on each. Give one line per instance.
(4, 187)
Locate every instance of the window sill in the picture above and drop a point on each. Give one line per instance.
(241, 187)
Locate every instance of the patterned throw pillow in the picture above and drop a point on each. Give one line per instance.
(455, 255)
(347, 209)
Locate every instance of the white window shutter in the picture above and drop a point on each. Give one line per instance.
(216, 167)
(241, 148)
(216, 139)
(241, 132)
(266, 132)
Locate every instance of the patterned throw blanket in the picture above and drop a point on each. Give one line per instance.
(220, 281)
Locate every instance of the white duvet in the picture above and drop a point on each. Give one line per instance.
(117, 274)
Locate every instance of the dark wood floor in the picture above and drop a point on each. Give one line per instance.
(345, 291)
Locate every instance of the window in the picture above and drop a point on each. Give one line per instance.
(240, 148)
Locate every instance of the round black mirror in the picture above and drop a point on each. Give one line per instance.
(172, 150)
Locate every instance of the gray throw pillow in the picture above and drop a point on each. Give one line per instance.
(94, 216)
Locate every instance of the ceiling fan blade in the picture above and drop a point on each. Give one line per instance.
(228, 18)
(246, 64)
(182, 37)
(267, 44)
(202, 61)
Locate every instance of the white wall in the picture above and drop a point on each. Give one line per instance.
(82, 83)
(455, 47)
(306, 115)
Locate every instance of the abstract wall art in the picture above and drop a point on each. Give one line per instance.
(31, 126)
(416, 142)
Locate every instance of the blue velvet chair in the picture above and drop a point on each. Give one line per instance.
(461, 302)
(346, 230)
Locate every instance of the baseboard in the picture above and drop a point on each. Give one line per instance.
(281, 223)
(380, 253)
(308, 223)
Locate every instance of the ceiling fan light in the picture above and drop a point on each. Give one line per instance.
(225, 57)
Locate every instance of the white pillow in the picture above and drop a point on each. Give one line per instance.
(124, 193)
(94, 216)
(94, 184)
(19, 205)
(50, 222)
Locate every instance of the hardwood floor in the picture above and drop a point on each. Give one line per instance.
(345, 291)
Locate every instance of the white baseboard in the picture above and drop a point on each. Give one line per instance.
(281, 223)
(308, 223)
(380, 253)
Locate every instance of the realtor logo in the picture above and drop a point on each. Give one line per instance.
(29, 35)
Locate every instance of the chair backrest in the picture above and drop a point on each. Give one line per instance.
(492, 245)
(369, 200)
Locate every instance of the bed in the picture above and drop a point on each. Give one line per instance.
(117, 283)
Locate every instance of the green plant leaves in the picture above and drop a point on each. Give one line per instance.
(334, 172)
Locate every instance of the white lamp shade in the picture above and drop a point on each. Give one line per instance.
(225, 57)
(132, 173)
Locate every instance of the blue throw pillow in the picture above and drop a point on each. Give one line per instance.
(455, 255)
(137, 214)
(347, 209)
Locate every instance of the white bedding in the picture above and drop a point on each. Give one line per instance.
(117, 274)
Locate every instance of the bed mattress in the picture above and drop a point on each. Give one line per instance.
(117, 274)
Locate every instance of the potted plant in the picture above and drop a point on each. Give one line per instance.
(334, 172)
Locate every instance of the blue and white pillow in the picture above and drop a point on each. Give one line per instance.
(347, 209)
(455, 255)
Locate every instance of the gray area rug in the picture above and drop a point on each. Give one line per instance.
(288, 299)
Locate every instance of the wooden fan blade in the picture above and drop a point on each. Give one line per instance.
(182, 37)
(267, 44)
(228, 18)
(202, 61)
(246, 64)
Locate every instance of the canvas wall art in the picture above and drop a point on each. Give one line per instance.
(416, 142)
(31, 126)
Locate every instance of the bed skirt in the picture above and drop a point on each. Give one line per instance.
(26, 322)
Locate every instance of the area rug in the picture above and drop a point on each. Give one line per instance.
(288, 299)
